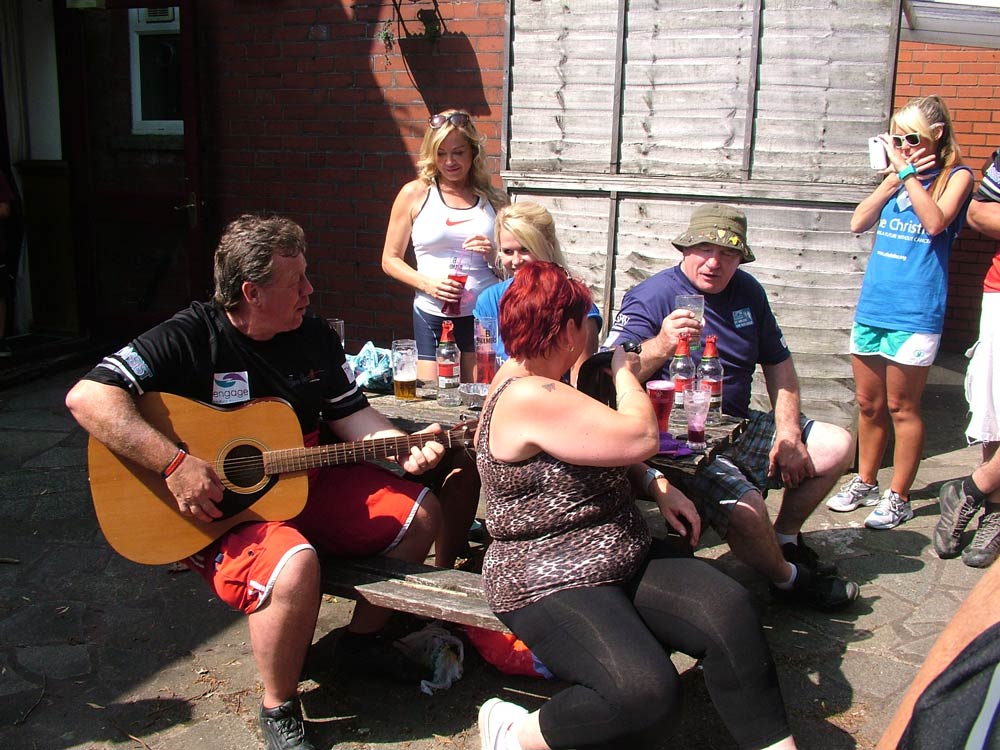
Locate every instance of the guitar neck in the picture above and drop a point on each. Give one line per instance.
(302, 459)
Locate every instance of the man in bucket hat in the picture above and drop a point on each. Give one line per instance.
(780, 448)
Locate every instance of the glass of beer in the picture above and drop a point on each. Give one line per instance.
(404, 369)
(661, 396)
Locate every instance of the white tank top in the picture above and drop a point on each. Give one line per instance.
(438, 233)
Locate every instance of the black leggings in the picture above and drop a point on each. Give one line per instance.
(613, 644)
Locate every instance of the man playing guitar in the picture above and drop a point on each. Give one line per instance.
(254, 340)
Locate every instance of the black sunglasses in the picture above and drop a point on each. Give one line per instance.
(458, 119)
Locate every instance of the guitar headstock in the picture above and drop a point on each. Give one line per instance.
(463, 434)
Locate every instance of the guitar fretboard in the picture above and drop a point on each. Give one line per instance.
(302, 459)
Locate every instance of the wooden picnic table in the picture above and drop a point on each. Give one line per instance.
(415, 415)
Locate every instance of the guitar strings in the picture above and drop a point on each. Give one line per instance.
(337, 450)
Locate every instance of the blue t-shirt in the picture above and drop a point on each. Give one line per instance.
(739, 315)
(488, 306)
(906, 283)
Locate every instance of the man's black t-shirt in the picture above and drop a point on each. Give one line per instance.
(200, 355)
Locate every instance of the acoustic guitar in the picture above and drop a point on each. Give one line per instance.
(256, 450)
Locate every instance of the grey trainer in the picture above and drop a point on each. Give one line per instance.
(985, 545)
(958, 508)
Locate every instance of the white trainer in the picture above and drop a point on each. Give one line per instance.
(496, 717)
(853, 494)
(892, 510)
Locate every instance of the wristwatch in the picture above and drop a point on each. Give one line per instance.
(651, 476)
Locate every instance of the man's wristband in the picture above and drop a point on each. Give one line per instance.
(172, 466)
(906, 171)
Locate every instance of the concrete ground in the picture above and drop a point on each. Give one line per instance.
(97, 652)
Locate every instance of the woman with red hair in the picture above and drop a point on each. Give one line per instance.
(572, 569)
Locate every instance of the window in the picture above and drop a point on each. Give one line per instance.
(155, 47)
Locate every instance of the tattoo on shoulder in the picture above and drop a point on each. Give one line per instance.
(549, 386)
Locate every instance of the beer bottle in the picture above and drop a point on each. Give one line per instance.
(682, 370)
(449, 366)
(710, 378)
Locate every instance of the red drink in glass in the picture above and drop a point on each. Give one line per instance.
(455, 308)
(696, 436)
(486, 364)
(661, 395)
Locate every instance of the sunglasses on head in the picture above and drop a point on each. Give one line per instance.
(913, 139)
(458, 119)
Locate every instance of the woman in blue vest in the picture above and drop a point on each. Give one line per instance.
(917, 211)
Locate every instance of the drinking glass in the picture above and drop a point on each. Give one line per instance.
(486, 349)
(404, 369)
(696, 403)
(661, 396)
(337, 324)
(696, 304)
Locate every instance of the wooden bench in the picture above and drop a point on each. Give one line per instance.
(437, 593)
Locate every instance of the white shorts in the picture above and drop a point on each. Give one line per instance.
(982, 379)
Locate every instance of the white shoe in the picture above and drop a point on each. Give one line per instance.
(892, 510)
(854, 493)
(496, 717)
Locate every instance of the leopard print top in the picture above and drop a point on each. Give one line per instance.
(554, 525)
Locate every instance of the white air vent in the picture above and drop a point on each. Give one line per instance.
(154, 19)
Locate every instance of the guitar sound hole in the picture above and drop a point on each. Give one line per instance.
(244, 466)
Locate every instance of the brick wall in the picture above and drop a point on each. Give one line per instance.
(309, 113)
(968, 79)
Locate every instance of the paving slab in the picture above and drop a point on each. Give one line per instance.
(98, 653)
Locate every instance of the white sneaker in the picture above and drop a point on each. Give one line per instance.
(892, 510)
(854, 493)
(496, 717)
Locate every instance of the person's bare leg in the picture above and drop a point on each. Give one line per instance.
(414, 546)
(873, 415)
(751, 538)
(831, 449)
(282, 630)
(987, 476)
(459, 498)
(905, 388)
(427, 372)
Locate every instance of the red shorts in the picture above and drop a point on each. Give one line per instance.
(351, 511)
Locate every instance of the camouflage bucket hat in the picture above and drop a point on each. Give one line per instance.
(717, 224)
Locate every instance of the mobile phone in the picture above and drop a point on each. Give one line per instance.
(877, 157)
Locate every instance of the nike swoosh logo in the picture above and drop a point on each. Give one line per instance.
(451, 223)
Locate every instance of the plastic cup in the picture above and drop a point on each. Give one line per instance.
(661, 396)
(455, 308)
(696, 403)
(486, 350)
(696, 304)
(404, 369)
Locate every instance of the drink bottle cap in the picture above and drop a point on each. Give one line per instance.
(447, 331)
(683, 346)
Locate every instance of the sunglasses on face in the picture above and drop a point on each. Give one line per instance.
(458, 119)
(912, 139)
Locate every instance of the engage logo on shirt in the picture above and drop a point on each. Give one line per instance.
(742, 318)
(230, 388)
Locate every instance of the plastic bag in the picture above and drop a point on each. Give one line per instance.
(505, 652)
(434, 647)
(372, 368)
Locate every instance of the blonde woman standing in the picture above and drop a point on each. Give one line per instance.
(918, 210)
(448, 213)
